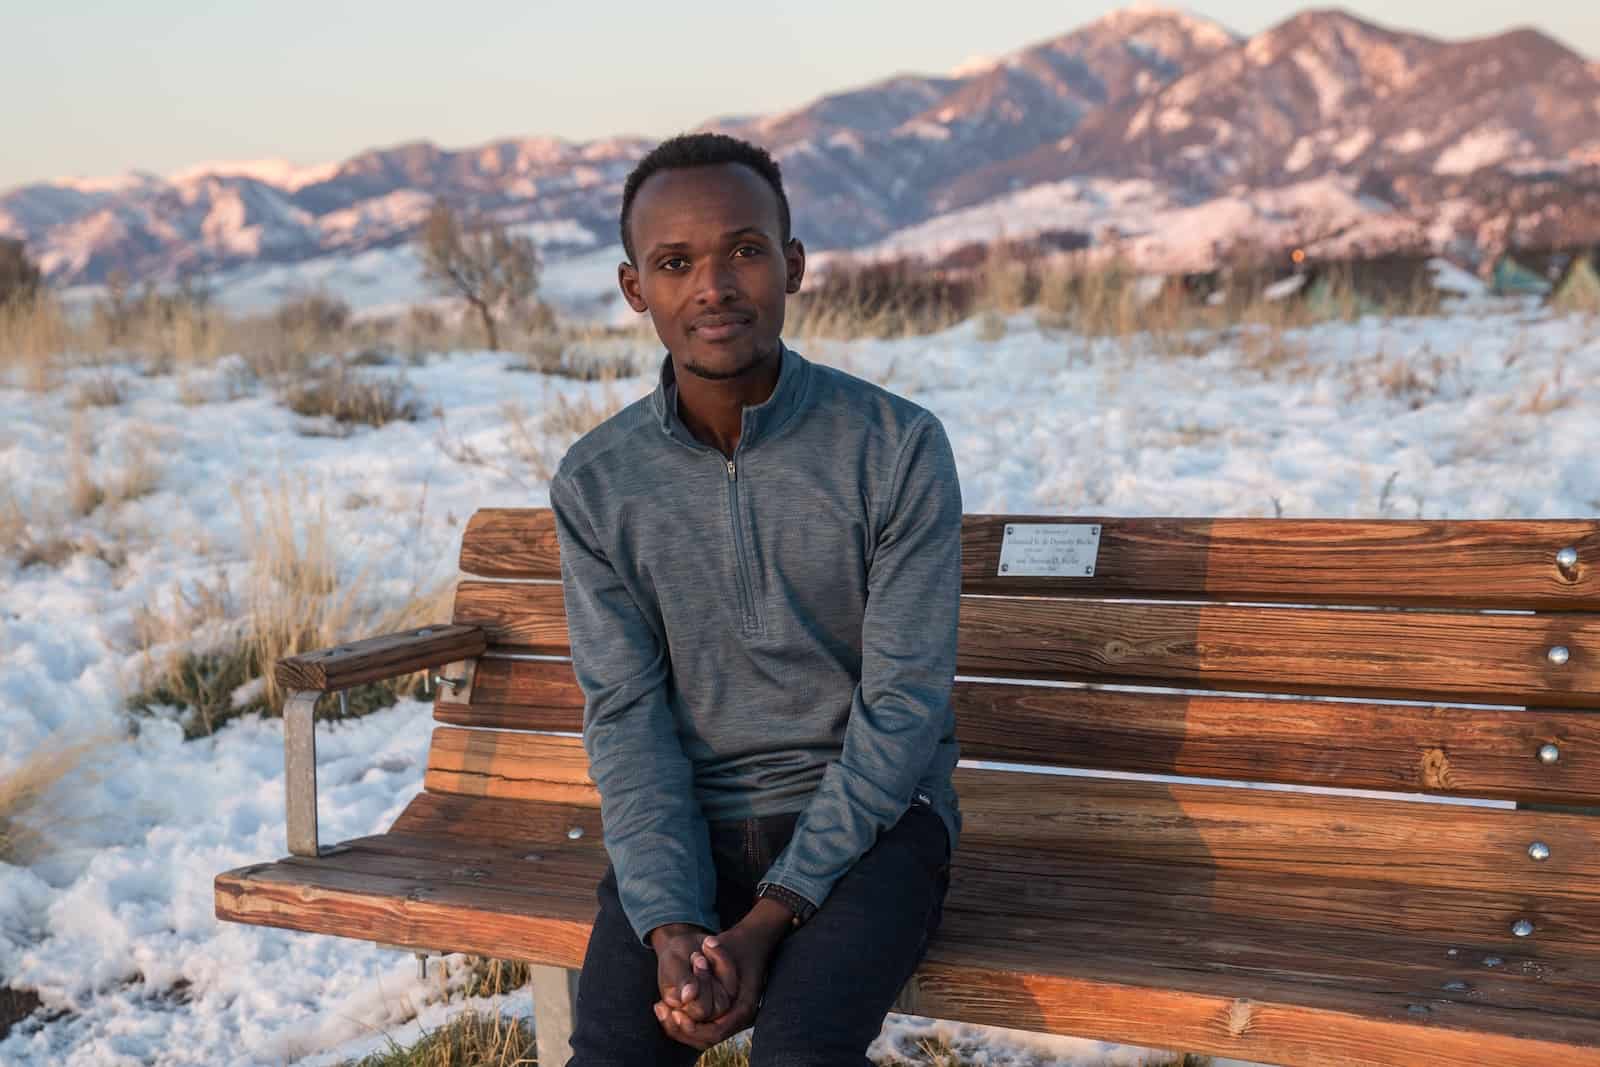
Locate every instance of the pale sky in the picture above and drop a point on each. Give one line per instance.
(96, 87)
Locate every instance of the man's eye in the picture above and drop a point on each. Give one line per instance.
(675, 263)
(747, 248)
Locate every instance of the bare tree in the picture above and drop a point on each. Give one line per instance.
(478, 261)
(19, 278)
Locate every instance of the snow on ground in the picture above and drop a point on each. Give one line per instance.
(1490, 414)
(1158, 228)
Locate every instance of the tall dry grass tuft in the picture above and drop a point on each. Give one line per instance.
(533, 442)
(28, 821)
(1093, 297)
(33, 333)
(84, 494)
(164, 329)
(13, 524)
(140, 470)
(101, 391)
(338, 393)
(295, 601)
(212, 652)
(471, 1039)
(894, 299)
(1007, 282)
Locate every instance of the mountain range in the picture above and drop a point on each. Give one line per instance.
(1148, 126)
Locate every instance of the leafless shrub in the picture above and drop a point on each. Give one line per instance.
(480, 262)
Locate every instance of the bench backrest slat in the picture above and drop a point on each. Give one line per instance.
(1406, 655)
(1497, 564)
(1452, 751)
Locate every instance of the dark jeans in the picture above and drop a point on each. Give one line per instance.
(830, 983)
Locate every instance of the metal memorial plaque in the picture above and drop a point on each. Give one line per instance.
(1049, 550)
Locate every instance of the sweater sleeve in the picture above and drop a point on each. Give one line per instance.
(655, 833)
(901, 709)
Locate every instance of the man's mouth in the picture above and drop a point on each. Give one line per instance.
(719, 327)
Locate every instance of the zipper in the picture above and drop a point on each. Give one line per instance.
(746, 599)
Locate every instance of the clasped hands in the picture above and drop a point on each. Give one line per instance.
(711, 984)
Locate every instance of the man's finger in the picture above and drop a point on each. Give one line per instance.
(722, 964)
(712, 992)
(700, 1001)
(686, 1031)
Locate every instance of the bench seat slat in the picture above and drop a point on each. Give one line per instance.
(1453, 751)
(1082, 906)
(1274, 991)
(1483, 563)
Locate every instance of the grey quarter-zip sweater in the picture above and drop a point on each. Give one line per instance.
(772, 632)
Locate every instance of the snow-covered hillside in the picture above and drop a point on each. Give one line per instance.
(1490, 413)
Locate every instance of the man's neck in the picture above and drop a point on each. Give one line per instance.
(713, 409)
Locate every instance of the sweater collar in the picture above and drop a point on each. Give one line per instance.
(757, 423)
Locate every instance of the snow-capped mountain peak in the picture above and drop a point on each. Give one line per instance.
(1148, 92)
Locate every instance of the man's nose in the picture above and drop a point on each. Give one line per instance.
(717, 281)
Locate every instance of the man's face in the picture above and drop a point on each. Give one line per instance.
(710, 266)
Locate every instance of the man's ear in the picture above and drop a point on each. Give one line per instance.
(794, 261)
(628, 282)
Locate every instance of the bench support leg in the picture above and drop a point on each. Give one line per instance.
(555, 991)
(910, 999)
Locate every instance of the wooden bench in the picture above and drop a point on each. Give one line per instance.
(1240, 920)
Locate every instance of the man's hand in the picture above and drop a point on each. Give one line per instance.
(695, 993)
(735, 960)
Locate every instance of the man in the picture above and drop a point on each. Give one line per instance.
(761, 564)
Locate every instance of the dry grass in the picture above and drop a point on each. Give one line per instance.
(1273, 350)
(1413, 379)
(13, 525)
(492, 978)
(33, 333)
(476, 1040)
(174, 332)
(137, 474)
(929, 1051)
(588, 352)
(84, 493)
(211, 651)
(1084, 291)
(101, 391)
(336, 392)
(28, 820)
(895, 299)
(1106, 298)
(533, 442)
(1549, 395)
(471, 1039)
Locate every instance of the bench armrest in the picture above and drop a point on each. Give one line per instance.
(311, 674)
(377, 658)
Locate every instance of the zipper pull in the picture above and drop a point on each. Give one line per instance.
(731, 473)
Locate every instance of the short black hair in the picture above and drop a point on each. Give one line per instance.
(702, 150)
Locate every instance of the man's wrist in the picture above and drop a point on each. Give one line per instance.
(799, 908)
(767, 922)
(666, 931)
